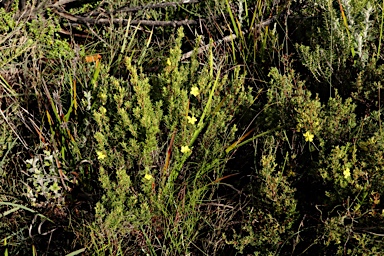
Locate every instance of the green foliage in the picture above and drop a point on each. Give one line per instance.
(38, 144)
(139, 150)
(190, 108)
(349, 142)
(275, 204)
(44, 181)
(341, 144)
(7, 142)
(345, 42)
(258, 40)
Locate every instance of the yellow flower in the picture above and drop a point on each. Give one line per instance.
(101, 155)
(103, 110)
(308, 136)
(148, 176)
(169, 62)
(185, 149)
(191, 119)
(195, 91)
(347, 173)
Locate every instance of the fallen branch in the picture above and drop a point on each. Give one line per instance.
(128, 9)
(226, 39)
(61, 2)
(102, 21)
(202, 49)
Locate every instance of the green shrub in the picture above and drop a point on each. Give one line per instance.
(337, 160)
(160, 145)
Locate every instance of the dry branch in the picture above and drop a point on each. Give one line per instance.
(226, 39)
(153, 6)
(102, 21)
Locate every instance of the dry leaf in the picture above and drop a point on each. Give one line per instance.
(92, 58)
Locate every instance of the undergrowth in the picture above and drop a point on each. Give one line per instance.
(266, 139)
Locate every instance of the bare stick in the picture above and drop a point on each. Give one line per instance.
(226, 39)
(85, 20)
(128, 9)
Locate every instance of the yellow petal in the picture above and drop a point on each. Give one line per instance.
(185, 149)
(195, 91)
(308, 136)
(148, 176)
(347, 173)
(191, 119)
(101, 155)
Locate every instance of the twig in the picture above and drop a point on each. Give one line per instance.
(85, 20)
(128, 9)
(93, 32)
(61, 2)
(154, 6)
(220, 205)
(13, 130)
(226, 39)
(372, 233)
(205, 47)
